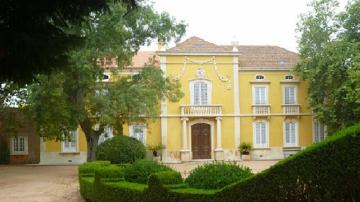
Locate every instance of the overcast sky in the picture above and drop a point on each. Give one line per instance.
(251, 22)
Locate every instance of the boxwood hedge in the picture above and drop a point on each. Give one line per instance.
(328, 171)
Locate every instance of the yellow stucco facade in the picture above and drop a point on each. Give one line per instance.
(223, 86)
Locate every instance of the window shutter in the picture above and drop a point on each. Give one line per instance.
(263, 133)
(289, 95)
(257, 133)
(196, 93)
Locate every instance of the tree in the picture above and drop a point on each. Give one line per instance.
(329, 47)
(33, 36)
(61, 101)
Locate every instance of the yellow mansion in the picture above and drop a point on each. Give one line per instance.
(233, 94)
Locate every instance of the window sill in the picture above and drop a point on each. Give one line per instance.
(19, 154)
(69, 153)
(261, 148)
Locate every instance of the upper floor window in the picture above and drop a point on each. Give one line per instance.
(70, 143)
(259, 77)
(319, 132)
(19, 145)
(289, 77)
(107, 134)
(200, 92)
(290, 134)
(138, 132)
(290, 95)
(260, 134)
(259, 95)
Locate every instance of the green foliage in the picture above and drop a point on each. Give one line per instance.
(63, 100)
(156, 147)
(245, 148)
(38, 43)
(140, 170)
(112, 171)
(310, 175)
(121, 149)
(217, 175)
(329, 47)
(169, 177)
(87, 187)
(89, 168)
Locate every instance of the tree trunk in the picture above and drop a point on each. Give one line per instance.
(92, 139)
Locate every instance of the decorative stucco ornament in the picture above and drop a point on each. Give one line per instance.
(200, 73)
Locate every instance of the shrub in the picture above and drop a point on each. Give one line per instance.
(245, 148)
(121, 149)
(217, 175)
(140, 170)
(4, 152)
(115, 172)
(169, 177)
(90, 167)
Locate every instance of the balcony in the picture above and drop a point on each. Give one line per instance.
(291, 109)
(261, 109)
(200, 110)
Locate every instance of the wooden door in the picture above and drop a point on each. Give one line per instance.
(201, 141)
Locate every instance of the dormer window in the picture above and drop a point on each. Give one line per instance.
(289, 77)
(259, 77)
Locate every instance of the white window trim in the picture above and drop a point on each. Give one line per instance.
(296, 144)
(25, 152)
(63, 150)
(102, 137)
(295, 93)
(261, 146)
(313, 131)
(131, 129)
(209, 88)
(266, 94)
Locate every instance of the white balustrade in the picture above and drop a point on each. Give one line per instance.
(261, 109)
(200, 110)
(291, 109)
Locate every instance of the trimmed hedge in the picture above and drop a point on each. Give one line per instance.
(89, 168)
(217, 175)
(121, 149)
(140, 170)
(169, 177)
(328, 171)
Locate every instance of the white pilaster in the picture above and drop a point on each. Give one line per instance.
(218, 133)
(236, 101)
(163, 112)
(184, 145)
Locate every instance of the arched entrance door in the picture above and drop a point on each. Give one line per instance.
(201, 141)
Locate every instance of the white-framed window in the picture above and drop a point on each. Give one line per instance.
(70, 144)
(319, 132)
(290, 94)
(107, 134)
(106, 76)
(291, 138)
(19, 145)
(261, 134)
(289, 77)
(200, 92)
(138, 132)
(259, 77)
(260, 94)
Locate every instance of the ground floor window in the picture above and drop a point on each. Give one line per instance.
(70, 144)
(19, 145)
(290, 134)
(138, 132)
(319, 132)
(261, 131)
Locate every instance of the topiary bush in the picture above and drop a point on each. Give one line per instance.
(169, 177)
(217, 175)
(90, 167)
(140, 170)
(121, 149)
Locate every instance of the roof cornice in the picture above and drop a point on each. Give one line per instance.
(223, 53)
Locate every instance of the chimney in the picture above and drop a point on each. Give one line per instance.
(234, 45)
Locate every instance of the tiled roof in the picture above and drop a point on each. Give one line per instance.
(250, 56)
(144, 58)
